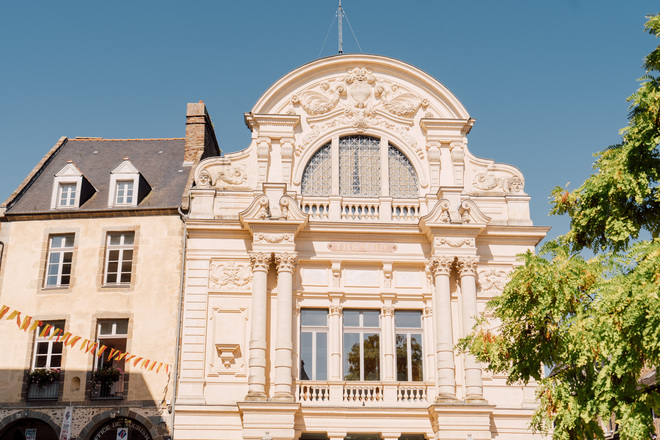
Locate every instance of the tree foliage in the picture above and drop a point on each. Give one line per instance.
(596, 321)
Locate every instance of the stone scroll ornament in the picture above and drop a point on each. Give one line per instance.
(492, 282)
(487, 181)
(355, 100)
(27, 323)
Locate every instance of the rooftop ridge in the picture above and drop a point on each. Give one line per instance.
(85, 138)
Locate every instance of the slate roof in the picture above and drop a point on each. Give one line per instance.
(158, 160)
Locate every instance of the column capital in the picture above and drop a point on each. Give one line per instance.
(441, 265)
(335, 310)
(467, 265)
(286, 261)
(260, 261)
(387, 310)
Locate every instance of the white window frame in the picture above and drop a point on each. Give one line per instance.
(125, 192)
(112, 335)
(121, 248)
(315, 330)
(68, 192)
(50, 343)
(408, 331)
(361, 329)
(60, 264)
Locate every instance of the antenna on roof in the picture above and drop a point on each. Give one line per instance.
(340, 14)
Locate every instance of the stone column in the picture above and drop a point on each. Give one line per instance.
(467, 267)
(286, 263)
(334, 328)
(257, 362)
(444, 339)
(388, 349)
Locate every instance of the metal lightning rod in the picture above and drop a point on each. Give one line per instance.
(340, 13)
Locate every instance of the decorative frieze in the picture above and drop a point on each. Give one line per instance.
(260, 237)
(454, 242)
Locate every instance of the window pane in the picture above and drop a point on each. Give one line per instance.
(40, 362)
(54, 258)
(408, 318)
(352, 356)
(126, 277)
(370, 318)
(314, 317)
(403, 178)
(402, 358)
(306, 356)
(129, 237)
(115, 239)
(351, 318)
(317, 177)
(55, 361)
(359, 166)
(416, 357)
(321, 356)
(371, 356)
(121, 327)
(42, 347)
(57, 241)
(67, 257)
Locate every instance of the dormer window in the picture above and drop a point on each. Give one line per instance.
(124, 192)
(127, 186)
(67, 194)
(70, 188)
(364, 163)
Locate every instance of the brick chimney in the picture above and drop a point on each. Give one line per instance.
(200, 136)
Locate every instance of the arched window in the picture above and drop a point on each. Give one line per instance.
(364, 163)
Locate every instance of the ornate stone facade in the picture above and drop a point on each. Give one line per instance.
(375, 238)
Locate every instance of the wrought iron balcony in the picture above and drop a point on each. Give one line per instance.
(114, 390)
(48, 391)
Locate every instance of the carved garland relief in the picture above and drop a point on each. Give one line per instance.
(492, 282)
(488, 181)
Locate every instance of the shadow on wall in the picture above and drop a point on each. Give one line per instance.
(35, 408)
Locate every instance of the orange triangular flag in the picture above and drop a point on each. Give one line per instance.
(4, 310)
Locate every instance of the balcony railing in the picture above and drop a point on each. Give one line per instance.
(113, 390)
(43, 392)
(363, 393)
(362, 209)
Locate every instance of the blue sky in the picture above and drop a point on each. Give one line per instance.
(545, 80)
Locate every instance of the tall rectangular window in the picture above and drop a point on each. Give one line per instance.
(124, 194)
(67, 194)
(313, 344)
(47, 352)
(119, 257)
(361, 344)
(60, 258)
(112, 333)
(408, 345)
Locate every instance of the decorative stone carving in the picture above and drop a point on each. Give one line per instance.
(441, 265)
(286, 261)
(428, 312)
(336, 274)
(444, 214)
(227, 353)
(260, 261)
(488, 181)
(204, 180)
(492, 282)
(260, 237)
(454, 242)
(233, 176)
(368, 102)
(335, 310)
(387, 275)
(467, 265)
(387, 311)
(230, 276)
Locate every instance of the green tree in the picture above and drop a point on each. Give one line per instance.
(597, 320)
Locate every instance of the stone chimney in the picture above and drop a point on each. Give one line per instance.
(200, 136)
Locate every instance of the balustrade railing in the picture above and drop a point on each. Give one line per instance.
(363, 393)
(359, 209)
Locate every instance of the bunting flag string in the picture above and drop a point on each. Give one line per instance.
(29, 324)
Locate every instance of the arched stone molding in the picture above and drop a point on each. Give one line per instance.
(26, 414)
(101, 418)
(411, 152)
(276, 98)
